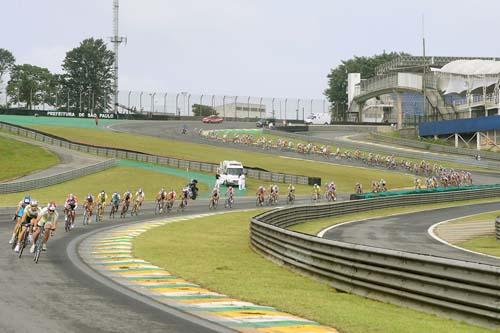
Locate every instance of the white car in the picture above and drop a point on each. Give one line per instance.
(230, 172)
(318, 119)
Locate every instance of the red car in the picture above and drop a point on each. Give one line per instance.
(212, 119)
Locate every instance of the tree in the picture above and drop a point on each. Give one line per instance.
(89, 76)
(32, 85)
(7, 61)
(337, 78)
(201, 110)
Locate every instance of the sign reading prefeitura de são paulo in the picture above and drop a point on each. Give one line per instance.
(79, 114)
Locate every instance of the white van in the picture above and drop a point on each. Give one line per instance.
(318, 119)
(230, 172)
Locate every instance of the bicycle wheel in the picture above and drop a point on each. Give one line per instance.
(38, 246)
(157, 208)
(16, 237)
(24, 244)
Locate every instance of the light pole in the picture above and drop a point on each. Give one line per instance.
(286, 100)
(140, 101)
(235, 107)
(311, 107)
(260, 108)
(189, 102)
(183, 100)
(165, 102)
(177, 111)
(272, 106)
(224, 106)
(153, 102)
(298, 106)
(248, 105)
(213, 101)
(128, 100)
(67, 105)
(324, 105)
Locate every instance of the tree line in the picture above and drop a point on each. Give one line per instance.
(86, 82)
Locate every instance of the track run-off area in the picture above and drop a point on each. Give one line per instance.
(74, 294)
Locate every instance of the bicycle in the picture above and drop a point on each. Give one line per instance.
(135, 209)
(330, 196)
(100, 212)
(229, 202)
(260, 201)
(160, 205)
(87, 214)
(114, 209)
(290, 199)
(25, 240)
(183, 204)
(169, 205)
(39, 245)
(125, 206)
(68, 220)
(316, 197)
(214, 202)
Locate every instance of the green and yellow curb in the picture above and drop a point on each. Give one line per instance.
(110, 254)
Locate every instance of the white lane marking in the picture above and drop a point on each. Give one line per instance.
(432, 228)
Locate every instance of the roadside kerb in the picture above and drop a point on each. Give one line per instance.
(149, 158)
(463, 290)
(25, 185)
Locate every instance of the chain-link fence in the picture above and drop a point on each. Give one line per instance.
(177, 103)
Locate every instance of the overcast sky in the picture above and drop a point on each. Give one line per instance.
(282, 48)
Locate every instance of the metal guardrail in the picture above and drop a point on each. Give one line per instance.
(497, 227)
(26, 185)
(148, 158)
(464, 290)
(434, 147)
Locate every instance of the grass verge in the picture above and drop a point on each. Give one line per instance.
(217, 256)
(344, 176)
(482, 244)
(115, 179)
(313, 227)
(16, 158)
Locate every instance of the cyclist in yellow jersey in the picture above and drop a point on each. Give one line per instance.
(102, 198)
(47, 219)
(30, 214)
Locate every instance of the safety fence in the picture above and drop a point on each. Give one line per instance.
(464, 290)
(26, 185)
(118, 153)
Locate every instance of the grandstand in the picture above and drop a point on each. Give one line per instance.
(454, 88)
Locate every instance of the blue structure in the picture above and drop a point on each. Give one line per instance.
(461, 126)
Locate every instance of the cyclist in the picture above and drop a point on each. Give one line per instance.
(358, 188)
(291, 193)
(184, 197)
(19, 214)
(70, 205)
(215, 196)
(139, 197)
(316, 192)
(418, 184)
(47, 219)
(88, 205)
(261, 193)
(127, 196)
(160, 198)
(331, 194)
(31, 212)
(171, 196)
(115, 203)
(276, 193)
(102, 198)
(383, 185)
(230, 197)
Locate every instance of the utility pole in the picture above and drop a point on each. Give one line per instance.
(116, 40)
